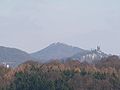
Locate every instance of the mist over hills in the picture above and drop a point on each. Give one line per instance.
(63, 51)
(55, 51)
(13, 56)
(90, 56)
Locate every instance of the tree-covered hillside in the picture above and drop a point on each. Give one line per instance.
(68, 75)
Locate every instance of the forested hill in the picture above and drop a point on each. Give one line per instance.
(13, 56)
(57, 51)
(68, 75)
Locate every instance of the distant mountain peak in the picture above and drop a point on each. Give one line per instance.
(58, 44)
(13, 56)
(57, 51)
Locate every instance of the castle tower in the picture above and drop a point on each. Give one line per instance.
(98, 48)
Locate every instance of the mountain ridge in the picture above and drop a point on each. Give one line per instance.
(56, 51)
(13, 56)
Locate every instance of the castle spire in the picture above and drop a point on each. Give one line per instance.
(98, 48)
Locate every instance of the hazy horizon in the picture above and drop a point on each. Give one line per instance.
(31, 25)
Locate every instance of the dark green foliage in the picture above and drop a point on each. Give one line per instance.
(61, 85)
(115, 82)
(32, 81)
(35, 81)
(35, 76)
(68, 74)
(83, 72)
(99, 76)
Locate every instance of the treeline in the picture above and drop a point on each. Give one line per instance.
(67, 75)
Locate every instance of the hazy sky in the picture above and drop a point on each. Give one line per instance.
(31, 25)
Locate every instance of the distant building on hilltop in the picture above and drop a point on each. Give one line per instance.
(5, 65)
(98, 48)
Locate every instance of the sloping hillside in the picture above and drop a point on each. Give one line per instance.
(13, 56)
(57, 51)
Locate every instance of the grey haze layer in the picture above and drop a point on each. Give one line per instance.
(13, 56)
(60, 51)
(33, 24)
(57, 51)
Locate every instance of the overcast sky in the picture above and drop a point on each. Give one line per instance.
(31, 25)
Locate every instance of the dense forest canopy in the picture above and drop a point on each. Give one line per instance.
(67, 75)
